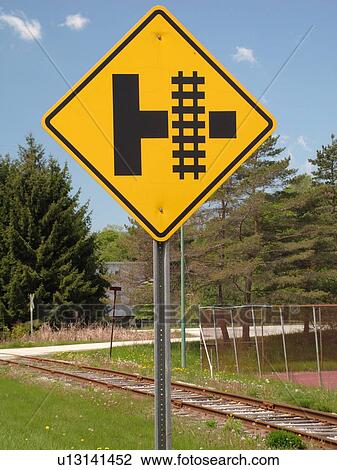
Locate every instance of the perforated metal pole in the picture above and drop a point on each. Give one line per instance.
(182, 299)
(162, 374)
(168, 313)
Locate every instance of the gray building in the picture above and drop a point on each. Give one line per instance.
(134, 280)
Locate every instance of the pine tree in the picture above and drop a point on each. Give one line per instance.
(303, 254)
(325, 172)
(231, 225)
(290, 251)
(49, 250)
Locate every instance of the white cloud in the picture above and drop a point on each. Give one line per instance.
(302, 142)
(27, 30)
(75, 22)
(283, 139)
(308, 167)
(244, 55)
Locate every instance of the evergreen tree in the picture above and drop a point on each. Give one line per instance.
(231, 226)
(303, 254)
(290, 253)
(48, 249)
(325, 171)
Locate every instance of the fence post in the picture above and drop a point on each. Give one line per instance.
(216, 341)
(284, 343)
(200, 341)
(317, 347)
(206, 350)
(262, 338)
(234, 343)
(256, 343)
(320, 335)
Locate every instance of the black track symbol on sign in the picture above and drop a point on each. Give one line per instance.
(131, 125)
(195, 125)
(222, 124)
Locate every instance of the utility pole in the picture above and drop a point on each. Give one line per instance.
(182, 299)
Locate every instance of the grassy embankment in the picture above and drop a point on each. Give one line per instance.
(50, 415)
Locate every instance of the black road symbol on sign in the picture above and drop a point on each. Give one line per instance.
(131, 125)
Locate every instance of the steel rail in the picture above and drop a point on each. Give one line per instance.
(205, 400)
(304, 412)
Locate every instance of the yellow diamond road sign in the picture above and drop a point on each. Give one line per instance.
(159, 123)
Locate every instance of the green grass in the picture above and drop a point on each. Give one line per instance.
(50, 415)
(140, 359)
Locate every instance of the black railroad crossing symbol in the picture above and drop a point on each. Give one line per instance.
(131, 125)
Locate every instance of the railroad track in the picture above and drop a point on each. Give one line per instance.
(315, 425)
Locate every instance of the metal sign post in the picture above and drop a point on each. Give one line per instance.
(31, 309)
(162, 345)
(182, 299)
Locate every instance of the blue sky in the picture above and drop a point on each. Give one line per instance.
(251, 38)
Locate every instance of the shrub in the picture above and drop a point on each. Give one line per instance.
(5, 333)
(284, 440)
(20, 330)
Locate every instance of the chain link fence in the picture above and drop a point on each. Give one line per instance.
(296, 343)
